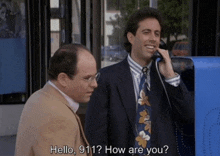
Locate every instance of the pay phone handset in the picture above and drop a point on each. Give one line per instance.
(157, 55)
(156, 60)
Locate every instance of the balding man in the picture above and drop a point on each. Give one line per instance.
(49, 124)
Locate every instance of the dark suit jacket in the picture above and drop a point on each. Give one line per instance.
(111, 112)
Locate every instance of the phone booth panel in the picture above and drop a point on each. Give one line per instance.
(207, 105)
(201, 76)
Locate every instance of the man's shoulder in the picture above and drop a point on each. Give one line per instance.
(46, 104)
(36, 95)
(114, 73)
(46, 98)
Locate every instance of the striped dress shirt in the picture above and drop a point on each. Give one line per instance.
(136, 72)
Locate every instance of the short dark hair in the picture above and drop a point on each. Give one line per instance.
(65, 60)
(135, 18)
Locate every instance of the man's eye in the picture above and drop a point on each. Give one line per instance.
(86, 78)
(146, 32)
(157, 34)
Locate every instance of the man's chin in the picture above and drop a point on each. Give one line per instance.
(86, 99)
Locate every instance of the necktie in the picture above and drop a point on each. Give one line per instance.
(143, 118)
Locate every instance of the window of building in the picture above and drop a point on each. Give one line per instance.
(65, 23)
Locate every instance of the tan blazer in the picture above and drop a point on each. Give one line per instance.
(49, 127)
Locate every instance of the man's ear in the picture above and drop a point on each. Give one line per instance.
(130, 37)
(62, 79)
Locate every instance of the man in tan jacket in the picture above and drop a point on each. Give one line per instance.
(49, 124)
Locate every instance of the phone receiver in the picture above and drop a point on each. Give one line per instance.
(157, 55)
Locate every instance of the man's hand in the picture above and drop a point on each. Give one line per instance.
(165, 66)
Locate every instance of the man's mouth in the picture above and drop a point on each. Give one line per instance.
(150, 46)
(90, 93)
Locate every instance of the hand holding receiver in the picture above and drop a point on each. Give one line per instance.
(165, 65)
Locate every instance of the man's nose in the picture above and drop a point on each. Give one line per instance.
(94, 83)
(152, 37)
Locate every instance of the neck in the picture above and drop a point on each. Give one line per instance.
(58, 85)
(142, 63)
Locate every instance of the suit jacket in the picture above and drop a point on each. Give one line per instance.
(111, 112)
(48, 126)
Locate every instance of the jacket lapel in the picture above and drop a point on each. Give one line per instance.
(126, 91)
(156, 92)
(81, 129)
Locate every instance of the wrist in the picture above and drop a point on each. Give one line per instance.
(171, 75)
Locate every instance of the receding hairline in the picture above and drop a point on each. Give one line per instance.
(83, 55)
(84, 52)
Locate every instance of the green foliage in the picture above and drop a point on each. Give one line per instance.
(176, 16)
(127, 7)
(175, 13)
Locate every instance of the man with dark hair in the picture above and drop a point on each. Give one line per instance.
(49, 124)
(130, 113)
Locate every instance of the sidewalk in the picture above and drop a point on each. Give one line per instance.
(7, 145)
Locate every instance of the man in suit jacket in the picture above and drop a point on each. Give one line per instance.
(111, 112)
(49, 124)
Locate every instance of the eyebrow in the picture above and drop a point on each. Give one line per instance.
(150, 30)
(146, 30)
(90, 75)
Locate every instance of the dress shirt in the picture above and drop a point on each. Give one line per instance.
(136, 72)
(74, 105)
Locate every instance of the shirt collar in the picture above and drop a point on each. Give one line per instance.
(74, 105)
(135, 67)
